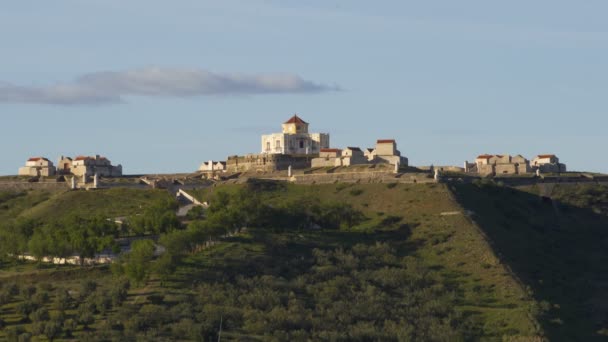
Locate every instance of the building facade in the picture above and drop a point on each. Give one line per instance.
(294, 139)
(89, 166)
(548, 163)
(499, 164)
(36, 167)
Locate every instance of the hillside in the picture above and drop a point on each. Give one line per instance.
(407, 262)
(556, 246)
(46, 205)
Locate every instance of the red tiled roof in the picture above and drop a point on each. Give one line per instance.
(485, 156)
(37, 159)
(385, 141)
(546, 155)
(82, 158)
(295, 119)
(354, 148)
(330, 150)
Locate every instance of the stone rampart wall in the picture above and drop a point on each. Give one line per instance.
(20, 186)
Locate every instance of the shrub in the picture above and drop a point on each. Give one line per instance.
(356, 192)
(391, 185)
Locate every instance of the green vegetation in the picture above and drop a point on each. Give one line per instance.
(321, 262)
(557, 248)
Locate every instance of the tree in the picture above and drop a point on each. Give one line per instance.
(142, 252)
(25, 308)
(119, 291)
(62, 300)
(40, 315)
(84, 314)
(90, 236)
(165, 266)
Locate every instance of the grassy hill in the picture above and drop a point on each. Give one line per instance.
(422, 222)
(45, 205)
(415, 265)
(556, 246)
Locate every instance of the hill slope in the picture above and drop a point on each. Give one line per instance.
(556, 246)
(414, 267)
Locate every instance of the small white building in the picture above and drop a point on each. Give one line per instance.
(64, 165)
(386, 152)
(496, 164)
(211, 166)
(36, 167)
(294, 139)
(353, 156)
(90, 166)
(548, 163)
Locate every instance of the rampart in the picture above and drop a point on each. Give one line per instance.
(22, 186)
(268, 162)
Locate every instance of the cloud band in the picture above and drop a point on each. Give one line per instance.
(109, 87)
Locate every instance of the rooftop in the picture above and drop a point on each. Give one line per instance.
(296, 119)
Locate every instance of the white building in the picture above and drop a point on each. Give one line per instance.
(386, 152)
(212, 166)
(548, 163)
(89, 166)
(37, 166)
(295, 139)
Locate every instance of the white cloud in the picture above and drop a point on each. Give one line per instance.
(108, 87)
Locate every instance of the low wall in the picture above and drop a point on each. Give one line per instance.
(20, 186)
(351, 177)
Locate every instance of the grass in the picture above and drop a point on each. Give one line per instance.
(487, 292)
(115, 202)
(557, 249)
(407, 216)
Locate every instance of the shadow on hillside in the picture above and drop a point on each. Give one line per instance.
(288, 254)
(557, 250)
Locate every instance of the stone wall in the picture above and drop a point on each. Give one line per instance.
(353, 177)
(20, 186)
(268, 162)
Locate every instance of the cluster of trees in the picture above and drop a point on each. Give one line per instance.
(57, 312)
(58, 238)
(82, 235)
(229, 213)
(157, 218)
(365, 293)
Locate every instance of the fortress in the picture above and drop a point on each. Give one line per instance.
(296, 148)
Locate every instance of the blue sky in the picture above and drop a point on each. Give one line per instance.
(161, 86)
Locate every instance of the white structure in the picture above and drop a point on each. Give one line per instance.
(295, 139)
(497, 164)
(548, 163)
(89, 166)
(64, 165)
(213, 166)
(37, 166)
(386, 152)
(352, 156)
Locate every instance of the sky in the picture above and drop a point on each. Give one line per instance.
(161, 86)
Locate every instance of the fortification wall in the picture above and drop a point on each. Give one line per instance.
(267, 162)
(352, 177)
(21, 186)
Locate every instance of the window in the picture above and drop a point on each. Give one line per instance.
(301, 143)
(268, 146)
